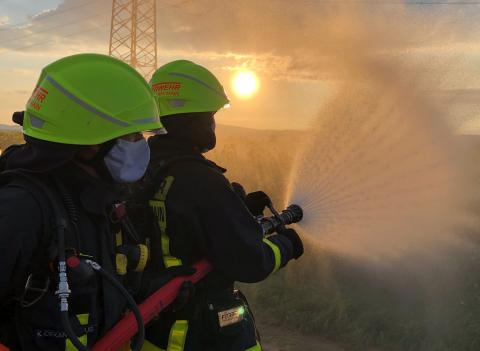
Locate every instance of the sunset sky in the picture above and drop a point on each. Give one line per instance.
(291, 45)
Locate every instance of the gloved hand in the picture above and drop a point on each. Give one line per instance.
(297, 243)
(239, 190)
(256, 202)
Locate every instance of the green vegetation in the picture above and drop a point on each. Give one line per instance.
(424, 302)
(9, 137)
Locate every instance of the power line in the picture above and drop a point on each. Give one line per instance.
(53, 13)
(373, 2)
(53, 27)
(49, 41)
(67, 24)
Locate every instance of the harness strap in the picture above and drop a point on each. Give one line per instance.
(257, 347)
(176, 339)
(83, 320)
(178, 335)
(158, 206)
(43, 253)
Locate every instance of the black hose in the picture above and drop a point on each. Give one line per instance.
(63, 291)
(140, 338)
(67, 327)
(130, 229)
(71, 211)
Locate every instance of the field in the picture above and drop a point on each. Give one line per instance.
(414, 303)
(357, 305)
(8, 138)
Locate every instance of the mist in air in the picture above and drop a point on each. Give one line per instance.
(380, 171)
(387, 185)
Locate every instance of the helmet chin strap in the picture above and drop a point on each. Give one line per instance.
(195, 130)
(96, 163)
(202, 151)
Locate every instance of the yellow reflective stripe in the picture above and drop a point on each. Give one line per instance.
(121, 262)
(162, 192)
(83, 319)
(178, 335)
(159, 210)
(171, 261)
(118, 238)
(142, 261)
(276, 253)
(257, 347)
(148, 346)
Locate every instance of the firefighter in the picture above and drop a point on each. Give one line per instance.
(82, 129)
(197, 214)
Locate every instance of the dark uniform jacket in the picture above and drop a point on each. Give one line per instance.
(22, 223)
(207, 219)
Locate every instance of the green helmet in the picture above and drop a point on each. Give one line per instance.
(88, 99)
(183, 86)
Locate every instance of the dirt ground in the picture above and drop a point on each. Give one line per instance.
(276, 338)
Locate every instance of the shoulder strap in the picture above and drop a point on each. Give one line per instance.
(159, 209)
(148, 206)
(158, 186)
(5, 154)
(45, 250)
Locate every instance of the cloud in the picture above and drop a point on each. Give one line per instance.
(72, 24)
(294, 40)
(4, 21)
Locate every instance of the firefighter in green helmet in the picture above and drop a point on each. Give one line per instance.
(58, 204)
(197, 214)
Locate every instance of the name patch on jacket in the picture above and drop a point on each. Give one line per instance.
(231, 316)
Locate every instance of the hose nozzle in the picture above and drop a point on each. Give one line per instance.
(292, 214)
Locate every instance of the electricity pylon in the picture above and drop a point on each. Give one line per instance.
(133, 34)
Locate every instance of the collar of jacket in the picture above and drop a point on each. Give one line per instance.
(164, 149)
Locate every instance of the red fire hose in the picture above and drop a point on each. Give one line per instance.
(126, 328)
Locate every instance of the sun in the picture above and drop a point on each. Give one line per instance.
(245, 84)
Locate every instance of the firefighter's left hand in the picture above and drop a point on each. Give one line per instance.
(239, 190)
(256, 202)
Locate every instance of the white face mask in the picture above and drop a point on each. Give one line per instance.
(127, 161)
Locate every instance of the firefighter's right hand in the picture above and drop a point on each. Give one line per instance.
(295, 239)
(256, 202)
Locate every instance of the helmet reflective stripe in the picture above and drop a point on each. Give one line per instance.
(184, 87)
(221, 93)
(88, 99)
(146, 120)
(84, 104)
(36, 121)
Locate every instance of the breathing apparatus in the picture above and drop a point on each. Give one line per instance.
(77, 264)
